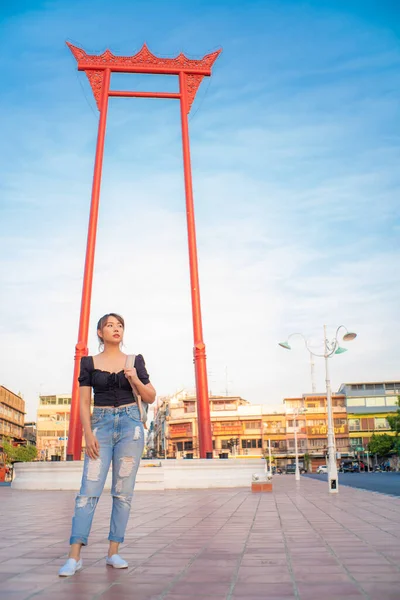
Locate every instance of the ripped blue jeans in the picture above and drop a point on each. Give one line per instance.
(121, 438)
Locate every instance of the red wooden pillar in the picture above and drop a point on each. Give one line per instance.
(75, 428)
(199, 350)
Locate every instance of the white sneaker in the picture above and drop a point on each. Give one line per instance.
(116, 561)
(70, 568)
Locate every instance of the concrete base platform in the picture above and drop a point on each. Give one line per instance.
(154, 475)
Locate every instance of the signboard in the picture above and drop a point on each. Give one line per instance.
(180, 430)
(227, 428)
(323, 430)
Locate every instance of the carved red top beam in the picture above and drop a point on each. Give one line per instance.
(144, 62)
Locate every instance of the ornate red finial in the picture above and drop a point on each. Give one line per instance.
(144, 61)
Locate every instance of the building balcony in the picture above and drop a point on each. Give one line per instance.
(274, 430)
(300, 430)
(274, 451)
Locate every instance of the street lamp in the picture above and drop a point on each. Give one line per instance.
(269, 469)
(330, 348)
(296, 413)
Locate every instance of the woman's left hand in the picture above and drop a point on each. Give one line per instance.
(131, 374)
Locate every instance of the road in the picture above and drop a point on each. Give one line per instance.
(385, 483)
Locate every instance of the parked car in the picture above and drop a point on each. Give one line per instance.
(291, 469)
(276, 471)
(349, 467)
(322, 469)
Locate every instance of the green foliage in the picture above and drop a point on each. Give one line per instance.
(394, 420)
(307, 461)
(19, 453)
(382, 445)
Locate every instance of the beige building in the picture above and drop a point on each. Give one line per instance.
(52, 426)
(241, 429)
(12, 416)
(238, 427)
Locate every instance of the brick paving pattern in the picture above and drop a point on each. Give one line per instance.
(298, 542)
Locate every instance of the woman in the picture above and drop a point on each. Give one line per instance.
(114, 434)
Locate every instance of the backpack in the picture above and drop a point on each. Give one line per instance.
(143, 406)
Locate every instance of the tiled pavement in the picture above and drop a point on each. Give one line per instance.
(298, 542)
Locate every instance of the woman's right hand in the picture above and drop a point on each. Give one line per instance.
(92, 446)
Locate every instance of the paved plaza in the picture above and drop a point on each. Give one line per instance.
(298, 542)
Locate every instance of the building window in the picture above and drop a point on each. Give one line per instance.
(392, 386)
(300, 443)
(278, 444)
(339, 422)
(338, 403)
(48, 400)
(223, 406)
(375, 401)
(381, 423)
(316, 423)
(179, 446)
(296, 423)
(354, 425)
(64, 401)
(188, 445)
(355, 441)
(251, 444)
(357, 386)
(374, 386)
(342, 442)
(355, 401)
(318, 443)
(252, 424)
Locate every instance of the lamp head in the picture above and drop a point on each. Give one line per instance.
(285, 345)
(340, 350)
(349, 336)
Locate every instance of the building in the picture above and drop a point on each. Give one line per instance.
(12, 416)
(30, 433)
(52, 426)
(242, 429)
(237, 426)
(312, 427)
(368, 406)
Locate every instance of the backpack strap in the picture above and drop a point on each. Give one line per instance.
(129, 364)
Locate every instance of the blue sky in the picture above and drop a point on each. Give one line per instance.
(295, 153)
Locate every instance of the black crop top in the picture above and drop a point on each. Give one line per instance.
(110, 389)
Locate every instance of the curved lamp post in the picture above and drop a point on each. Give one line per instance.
(296, 413)
(330, 348)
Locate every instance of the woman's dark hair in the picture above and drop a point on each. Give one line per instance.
(104, 320)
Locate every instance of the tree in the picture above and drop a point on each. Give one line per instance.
(394, 420)
(394, 424)
(19, 453)
(307, 462)
(382, 445)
